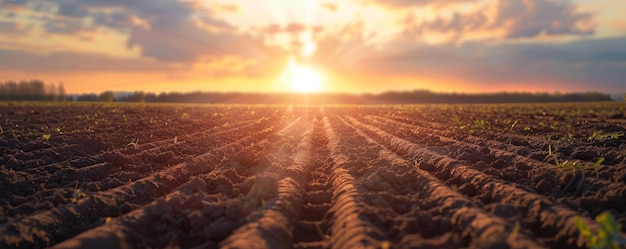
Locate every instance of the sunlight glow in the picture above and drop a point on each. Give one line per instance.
(309, 46)
(301, 78)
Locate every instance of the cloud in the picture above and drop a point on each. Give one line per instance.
(586, 64)
(13, 5)
(71, 9)
(116, 20)
(531, 18)
(73, 62)
(14, 29)
(512, 18)
(293, 28)
(65, 26)
(330, 7)
(343, 48)
(401, 4)
(619, 25)
(166, 30)
(229, 8)
(195, 37)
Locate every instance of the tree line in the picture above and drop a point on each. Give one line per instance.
(38, 90)
(31, 90)
(407, 97)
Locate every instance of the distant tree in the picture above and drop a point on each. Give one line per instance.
(140, 96)
(61, 94)
(107, 96)
(87, 97)
(624, 97)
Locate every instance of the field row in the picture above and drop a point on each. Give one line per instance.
(284, 177)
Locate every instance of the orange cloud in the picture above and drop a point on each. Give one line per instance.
(620, 25)
(402, 4)
(225, 8)
(330, 7)
(509, 19)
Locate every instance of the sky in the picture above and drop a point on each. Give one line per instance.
(354, 46)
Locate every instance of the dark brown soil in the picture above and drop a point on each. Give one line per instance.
(192, 176)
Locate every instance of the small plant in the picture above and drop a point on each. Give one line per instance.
(600, 136)
(596, 166)
(554, 126)
(46, 137)
(608, 236)
(78, 194)
(457, 121)
(513, 125)
(542, 125)
(481, 124)
(514, 232)
(616, 135)
(575, 165)
(133, 143)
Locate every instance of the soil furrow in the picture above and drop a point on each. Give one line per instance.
(41, 229)
(275, 224)
(58, 188)
(119, 175)
(204, 210)
(480, 227)
(312, 229)
(543, 177)
(554, 220)
(349, 228)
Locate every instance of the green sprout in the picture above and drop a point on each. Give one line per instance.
(457, 121)
(600, 136)
(616, 135)
(575, 165)
(454, 187)
(596, 166)
(542, 125)
(46, 137)
(482, 124)
(513, 125)
(78, 194)
(554, 126)
(608, 236)
(514, 232)
(133, 143)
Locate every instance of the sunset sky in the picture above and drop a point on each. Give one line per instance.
(310, 45)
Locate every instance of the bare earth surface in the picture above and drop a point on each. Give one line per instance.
(209, 176)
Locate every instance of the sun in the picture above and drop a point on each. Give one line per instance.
(306, 79)
(301, 78)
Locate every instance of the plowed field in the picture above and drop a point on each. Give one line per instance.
(427, 176)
